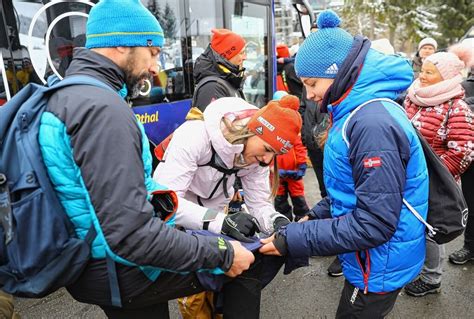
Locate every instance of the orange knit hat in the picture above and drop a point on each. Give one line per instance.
(226, 43)
(278, 123)
(282, 51)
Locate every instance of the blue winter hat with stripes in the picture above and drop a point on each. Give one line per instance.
(122, 23)
(322, 53)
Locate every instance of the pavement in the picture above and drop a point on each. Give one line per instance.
(306, 293)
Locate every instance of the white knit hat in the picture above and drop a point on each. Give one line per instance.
(428, 41)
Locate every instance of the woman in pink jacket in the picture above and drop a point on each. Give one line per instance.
(435, 106)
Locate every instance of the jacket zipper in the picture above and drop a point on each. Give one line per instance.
(418, 112)
(365, 273)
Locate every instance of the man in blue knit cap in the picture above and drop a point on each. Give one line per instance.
(128, 34)
(98, 159)
(373, 165)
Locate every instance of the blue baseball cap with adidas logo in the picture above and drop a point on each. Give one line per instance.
(322, 53)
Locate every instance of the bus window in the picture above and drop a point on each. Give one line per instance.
(251, 21)
(174, 80)
(205, 15)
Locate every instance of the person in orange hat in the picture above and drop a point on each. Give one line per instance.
(201, 162)
(218, 71)
(283, 52)
(232, 138)
(229, 45)
(286, 76)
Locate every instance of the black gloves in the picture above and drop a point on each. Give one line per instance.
(240, 226)
(280, 222)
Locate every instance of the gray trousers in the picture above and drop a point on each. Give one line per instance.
(433, 267)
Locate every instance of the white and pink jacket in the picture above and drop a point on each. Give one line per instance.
(182, 171)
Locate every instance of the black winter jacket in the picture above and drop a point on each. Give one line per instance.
(416, 64)
(106, 146)
(209, 63)
(314, 122)
(293, 82)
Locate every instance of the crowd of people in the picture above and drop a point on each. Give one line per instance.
(212, 225)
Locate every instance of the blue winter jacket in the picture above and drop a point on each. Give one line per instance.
(380, 243)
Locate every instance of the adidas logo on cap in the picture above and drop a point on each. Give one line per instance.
(333, 69)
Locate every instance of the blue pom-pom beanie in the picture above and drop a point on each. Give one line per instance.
(323, 52)
(122, 23)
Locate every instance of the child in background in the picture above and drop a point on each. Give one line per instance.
(291, 169)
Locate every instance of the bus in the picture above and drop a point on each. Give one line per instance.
(37, 39)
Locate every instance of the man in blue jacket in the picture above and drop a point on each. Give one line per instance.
(99, 162)
(373, 163)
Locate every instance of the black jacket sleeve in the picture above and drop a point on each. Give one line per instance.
(207, 93)
(295, 86)
(106, 144)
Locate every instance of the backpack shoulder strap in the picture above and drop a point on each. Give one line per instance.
(34, 95)
(80, 80)
(225, 173)
(212, 163)
(346, 123)
(285, 81)
(212, 78)
(431, 229)
(446, 118)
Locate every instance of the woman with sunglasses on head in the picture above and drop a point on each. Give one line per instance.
(231, 138)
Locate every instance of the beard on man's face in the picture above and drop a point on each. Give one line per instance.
(134, 82)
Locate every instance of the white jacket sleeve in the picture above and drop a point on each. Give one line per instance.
(191, 216)
(177, 172)
(256, 186)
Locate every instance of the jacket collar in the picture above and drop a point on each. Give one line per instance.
(93, 64)
(209, 63)
(381, 76)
